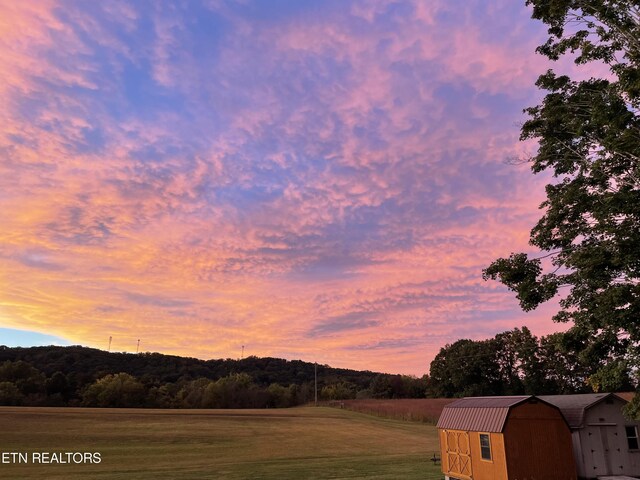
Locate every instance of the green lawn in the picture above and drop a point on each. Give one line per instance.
(297, 443)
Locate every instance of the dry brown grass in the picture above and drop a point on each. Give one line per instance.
(425, 410)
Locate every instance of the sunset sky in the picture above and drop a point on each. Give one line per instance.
(315, 180)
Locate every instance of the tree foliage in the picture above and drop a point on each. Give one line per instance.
(565, 369)
(516, 362)
(466, 368)
(10, 394)
(588, 132)
(119, 390)
(79, 376)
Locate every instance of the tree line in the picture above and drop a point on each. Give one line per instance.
(513, 362)
(79, 376)
(517, 362)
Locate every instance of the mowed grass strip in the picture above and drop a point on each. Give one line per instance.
(296, 443)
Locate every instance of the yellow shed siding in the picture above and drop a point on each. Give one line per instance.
(461, 458)
(496, 469)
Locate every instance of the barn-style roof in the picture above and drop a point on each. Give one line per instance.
(573, 407)
(479, 414)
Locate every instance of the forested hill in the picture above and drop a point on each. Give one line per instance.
(90, 362)
(80, 376)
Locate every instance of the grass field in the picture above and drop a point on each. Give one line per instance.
(297, 443)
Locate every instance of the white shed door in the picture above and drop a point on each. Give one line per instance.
(603, 450)
(617, 448)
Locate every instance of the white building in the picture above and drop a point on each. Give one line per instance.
(604, 441)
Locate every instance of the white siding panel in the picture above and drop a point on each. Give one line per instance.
(578, 453)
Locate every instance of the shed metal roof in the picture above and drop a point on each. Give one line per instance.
(479, 414)
(573, 407)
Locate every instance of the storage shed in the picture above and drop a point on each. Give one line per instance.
(505, 438)
(604, 442)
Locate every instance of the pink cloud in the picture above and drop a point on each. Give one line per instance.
(326, 187)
